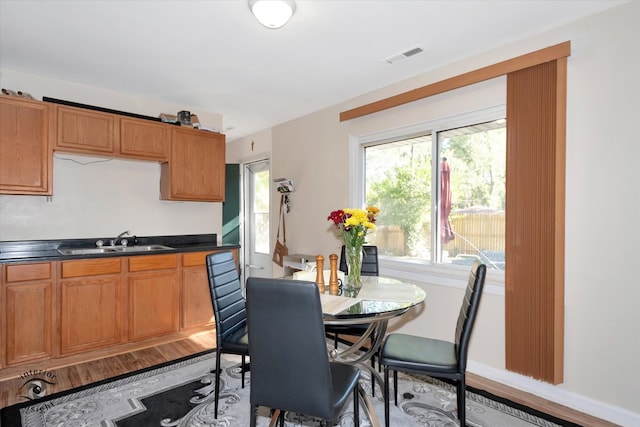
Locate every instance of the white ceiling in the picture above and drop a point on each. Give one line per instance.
(213, 55)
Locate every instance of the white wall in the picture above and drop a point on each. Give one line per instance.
(93, 197)
(602, 312)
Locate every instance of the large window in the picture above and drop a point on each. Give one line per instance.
(441, 192)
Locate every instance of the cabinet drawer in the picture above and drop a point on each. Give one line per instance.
(153, 262)
(91, 267)
(194, 259)
(24, 272)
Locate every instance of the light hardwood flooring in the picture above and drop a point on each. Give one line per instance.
(85, 373)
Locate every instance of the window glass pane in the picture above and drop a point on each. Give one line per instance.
(474, 227)
(468, 203)
(398, 181)
(261, 212)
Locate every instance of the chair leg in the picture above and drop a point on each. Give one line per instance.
(356, 406)
(335, 341)
(395, 386)
(386, 396)
(243, 369)
(373, 378)
(462, 416)
(253, 415)
(217, 390)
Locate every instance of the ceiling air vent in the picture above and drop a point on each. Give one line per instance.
(403, 55)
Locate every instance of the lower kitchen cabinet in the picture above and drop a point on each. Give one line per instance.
(90, 304)
(29, 314)
(153, 296)
(196, 309)
(86, 308)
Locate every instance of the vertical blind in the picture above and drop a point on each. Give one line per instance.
(534, 272)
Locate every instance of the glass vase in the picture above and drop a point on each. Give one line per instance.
(354, 265)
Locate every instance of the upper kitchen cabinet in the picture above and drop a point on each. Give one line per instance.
(196, 167)
(144, 139)
(26, 130)
(192, 161)
(86, 131)
(99, 133)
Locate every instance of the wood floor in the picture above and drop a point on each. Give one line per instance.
(77, 375)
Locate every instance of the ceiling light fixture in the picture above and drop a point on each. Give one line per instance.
(272, 14)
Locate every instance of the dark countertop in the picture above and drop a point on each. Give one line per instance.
(47, 250)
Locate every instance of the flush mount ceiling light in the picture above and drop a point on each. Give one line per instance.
(272, 13)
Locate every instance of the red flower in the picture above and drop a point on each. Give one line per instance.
(337, 217)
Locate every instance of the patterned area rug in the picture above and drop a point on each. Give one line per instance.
(181, 394)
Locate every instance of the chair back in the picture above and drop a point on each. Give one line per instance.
(469, 311)
(226, 295)
(289, 360)
(369, 261)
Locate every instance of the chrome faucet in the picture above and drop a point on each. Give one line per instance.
(114, 241)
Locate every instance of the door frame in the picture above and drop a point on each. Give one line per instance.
(245, 199)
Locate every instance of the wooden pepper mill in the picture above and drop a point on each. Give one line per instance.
(320, 273)
(333, 276)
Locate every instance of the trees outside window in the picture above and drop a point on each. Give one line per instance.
(409, 179)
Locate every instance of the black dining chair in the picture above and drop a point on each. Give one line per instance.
(369, 261)
(433, 357)
(229, 310)
(290, 367)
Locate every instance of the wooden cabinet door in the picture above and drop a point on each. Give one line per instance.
(153, 304)
(29, 321)
(153, 295)
(86, 131)
(90, 313)
(29, 314)
(144, 139)
(90, 304)
(26, 128)
(196, 167)
(196, 308)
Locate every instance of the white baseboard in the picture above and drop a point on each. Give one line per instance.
(553, 393)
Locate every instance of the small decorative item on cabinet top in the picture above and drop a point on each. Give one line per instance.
(184, 117)
(168, 118)
(19, 93)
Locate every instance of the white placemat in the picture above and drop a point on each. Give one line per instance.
(333, 304)
(393, 292)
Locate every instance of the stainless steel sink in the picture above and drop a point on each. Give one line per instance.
(113, 249)
(86, 251)
(142, 248)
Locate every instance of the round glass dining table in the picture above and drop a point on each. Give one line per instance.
(375, 303)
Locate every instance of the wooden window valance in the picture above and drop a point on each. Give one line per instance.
(551, 53)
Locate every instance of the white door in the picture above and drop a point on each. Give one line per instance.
(256, 247)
